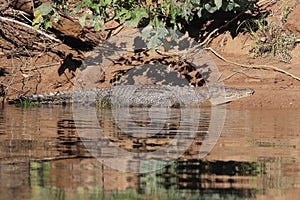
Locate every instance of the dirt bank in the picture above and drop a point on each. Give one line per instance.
(271, 79)
(273, 89)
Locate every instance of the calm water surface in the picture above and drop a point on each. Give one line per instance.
(44, 156)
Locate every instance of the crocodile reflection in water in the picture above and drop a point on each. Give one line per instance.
(73, 144)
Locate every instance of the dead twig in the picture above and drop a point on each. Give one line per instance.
(208, 38)
(9, 86)
(12, 79)
(42, 67)
(238, 72)
(30, 27)
(264, 67)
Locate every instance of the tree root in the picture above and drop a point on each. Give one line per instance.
(264, 67)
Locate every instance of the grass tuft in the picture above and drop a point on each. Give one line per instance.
(271, 38)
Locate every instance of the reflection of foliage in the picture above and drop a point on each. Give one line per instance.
(173, 14)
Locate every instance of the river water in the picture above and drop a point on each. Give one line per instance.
(52, 153)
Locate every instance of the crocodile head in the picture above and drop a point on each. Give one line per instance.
(217, 96)
(235, 94)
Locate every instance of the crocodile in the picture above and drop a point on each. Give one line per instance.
(142, 95)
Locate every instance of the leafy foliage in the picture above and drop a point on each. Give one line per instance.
(42, 16)
(173, 14)
(270, 38)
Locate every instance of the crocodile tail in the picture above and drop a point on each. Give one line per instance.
(61, 98)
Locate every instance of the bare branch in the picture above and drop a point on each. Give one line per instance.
(264, 67)
(30, 27)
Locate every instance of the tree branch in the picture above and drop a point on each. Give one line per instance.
(264, 67)
(30, 27)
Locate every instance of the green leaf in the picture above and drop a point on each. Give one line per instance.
(174, 35)
(199, 13)
(37, 18)
(48, 24)
(156, 23)
(146, 32)
(174, 12)
(210, 8)
(153, 43)
(218, 3)
(122, 14)
(155, 36)
(136, 16)
(231, 6)
(186, 12)
(56, 17)
(77, 8)
(105, 2)
(44, 9)
(97, 22)
(88, 3)
(162, 32)
(82, 19)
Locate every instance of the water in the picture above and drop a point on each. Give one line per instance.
(44, 156)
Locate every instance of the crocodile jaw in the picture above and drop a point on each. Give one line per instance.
(231, 95)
